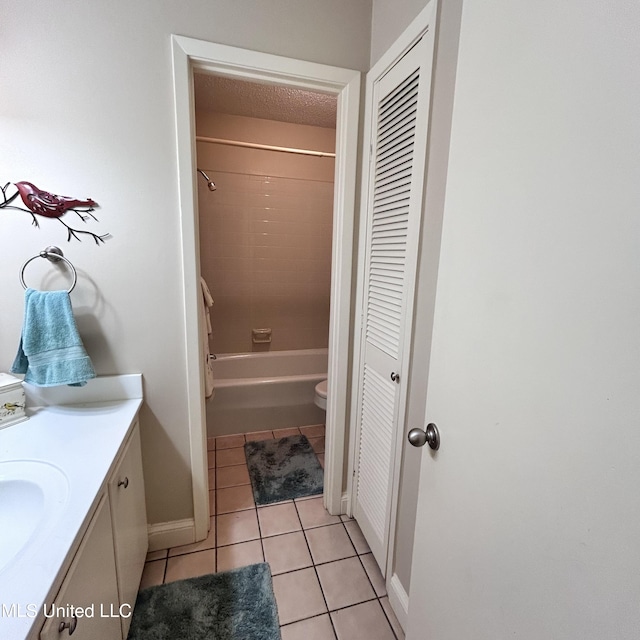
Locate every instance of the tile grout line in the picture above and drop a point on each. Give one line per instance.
(318, 564)
(215, 501)
(378, 598)
(351, 606)
(375, 593)
(317, 615)
(395, 635)
(315, 570)
(264, 555)
(166, 564)
(255, 506)
(215, 509)
(314, 564)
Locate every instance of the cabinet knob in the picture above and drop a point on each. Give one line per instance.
(124, 483)
(69, 625)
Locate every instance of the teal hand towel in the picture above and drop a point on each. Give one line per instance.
(51, 352)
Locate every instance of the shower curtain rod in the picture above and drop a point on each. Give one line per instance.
(267, 147)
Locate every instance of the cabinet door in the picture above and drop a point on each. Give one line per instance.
(90, 584)
(128, 512)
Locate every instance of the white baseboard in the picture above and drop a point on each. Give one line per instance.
(345, 504)
(399, 600)
(164, 535)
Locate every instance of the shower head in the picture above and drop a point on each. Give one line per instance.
(210, 183)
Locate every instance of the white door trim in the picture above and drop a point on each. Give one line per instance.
(188, 54)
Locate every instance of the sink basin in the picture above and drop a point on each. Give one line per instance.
(32, 497)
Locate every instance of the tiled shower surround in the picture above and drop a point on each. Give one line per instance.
(265, 245)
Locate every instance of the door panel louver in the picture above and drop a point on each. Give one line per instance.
(390, 216)
(398, 171)
(399, 118)
(375, 448)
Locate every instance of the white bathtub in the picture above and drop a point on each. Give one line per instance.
(256, 391)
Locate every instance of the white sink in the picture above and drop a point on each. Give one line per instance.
(32, 499)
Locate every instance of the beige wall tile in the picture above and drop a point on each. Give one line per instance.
(266, 253)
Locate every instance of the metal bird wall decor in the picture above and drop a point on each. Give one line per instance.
(49, 205)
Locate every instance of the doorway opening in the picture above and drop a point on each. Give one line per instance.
(194, 56)
(265, 250)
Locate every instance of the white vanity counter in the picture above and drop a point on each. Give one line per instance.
(81, 433)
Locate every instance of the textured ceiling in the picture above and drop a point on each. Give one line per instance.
(284, 104)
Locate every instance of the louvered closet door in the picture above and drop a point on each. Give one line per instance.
(393, 215)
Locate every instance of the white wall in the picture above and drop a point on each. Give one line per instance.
(389, 19)
(87, 110)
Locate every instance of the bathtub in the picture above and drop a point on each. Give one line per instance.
(257, 391)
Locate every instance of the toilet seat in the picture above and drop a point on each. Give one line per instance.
(321, 395)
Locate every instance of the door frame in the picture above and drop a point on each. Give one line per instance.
(190, 54)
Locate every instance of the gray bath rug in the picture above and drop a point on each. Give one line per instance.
(226, 606)
(283, 469)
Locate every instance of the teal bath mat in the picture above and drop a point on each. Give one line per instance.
(283, 469)
(225, 606)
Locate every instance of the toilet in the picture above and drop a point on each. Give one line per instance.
(321, 395)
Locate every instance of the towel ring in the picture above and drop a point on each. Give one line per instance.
(53, 254)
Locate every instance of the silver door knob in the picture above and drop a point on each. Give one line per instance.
(395, 377)
(418, 437)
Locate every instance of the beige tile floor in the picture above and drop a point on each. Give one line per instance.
(326, 582)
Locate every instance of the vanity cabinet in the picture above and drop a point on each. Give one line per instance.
(104, 575)
(89, 587)
(129, 516)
